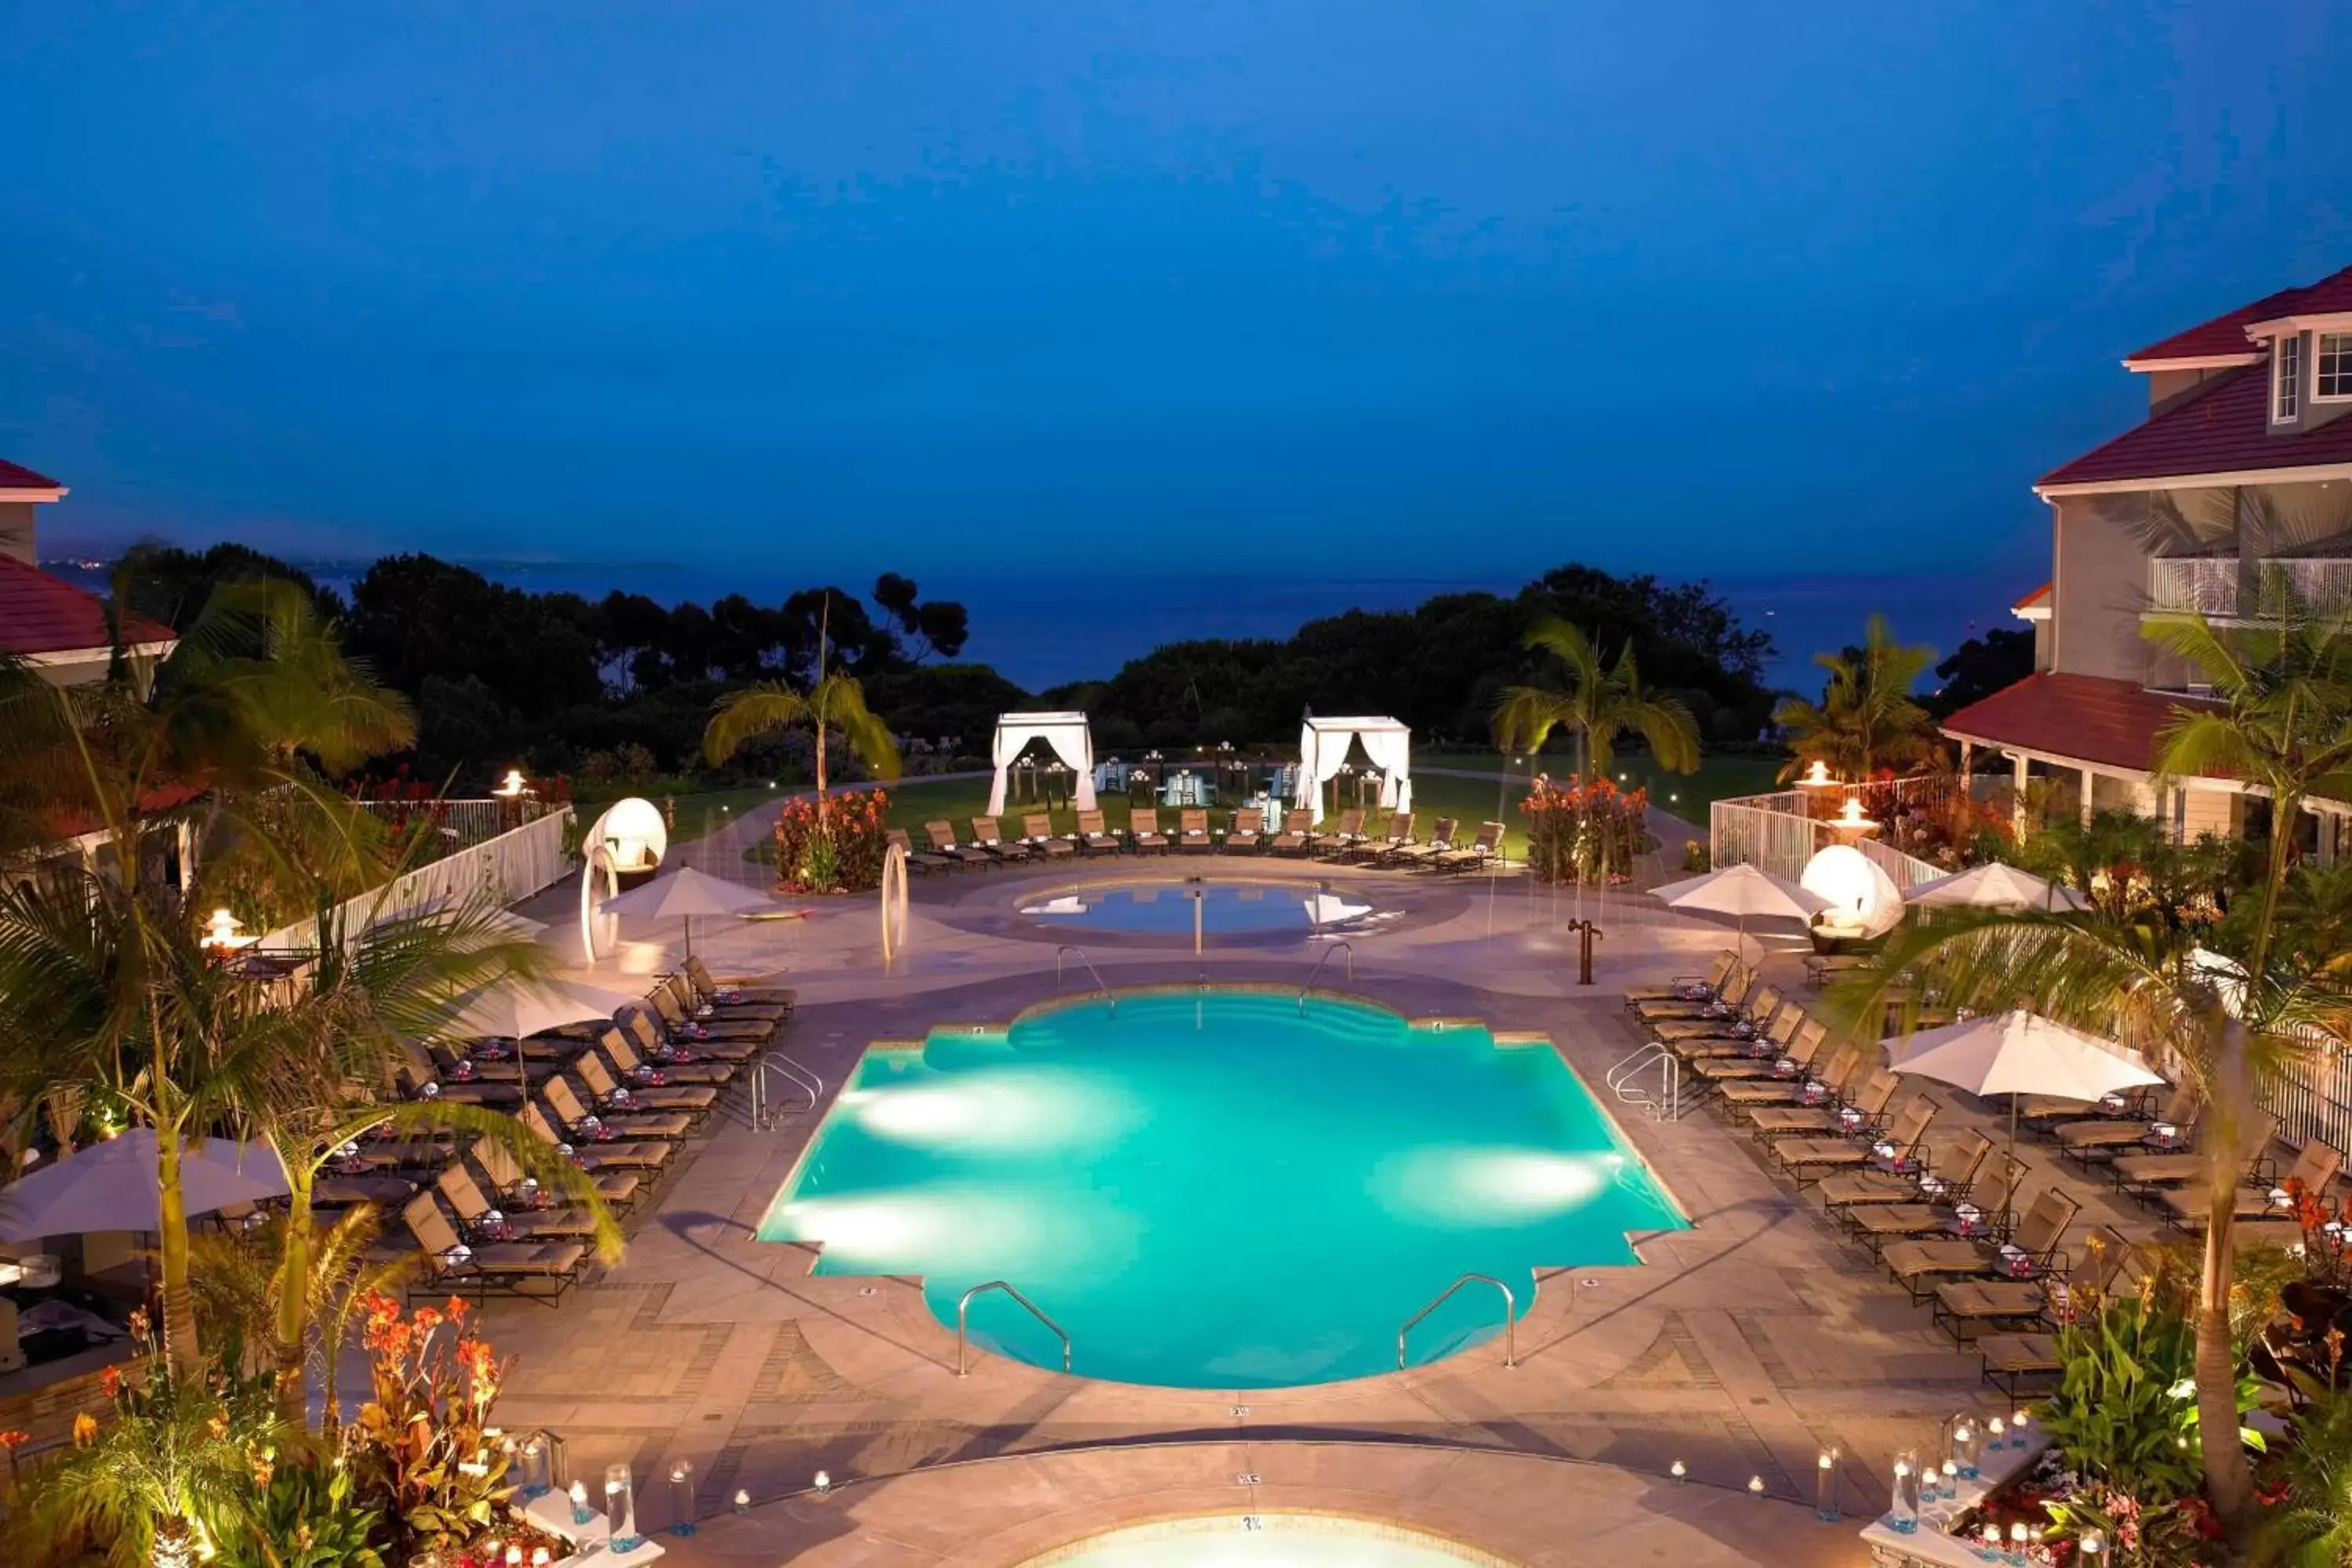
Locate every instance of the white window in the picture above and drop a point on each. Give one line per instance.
(2334, 363)
(2287, 378)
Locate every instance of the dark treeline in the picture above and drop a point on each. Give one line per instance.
(566, 684)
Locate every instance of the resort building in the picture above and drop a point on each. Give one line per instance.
(2241, 477)
(47, 623)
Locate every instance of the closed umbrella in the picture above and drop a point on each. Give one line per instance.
(2018, 1052)
(1994, 886)
(1742, 890)
(113, 1186)
(683, 894)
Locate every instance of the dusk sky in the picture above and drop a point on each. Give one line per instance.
(1445, 290)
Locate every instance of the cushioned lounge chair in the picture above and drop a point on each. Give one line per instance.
(2031, 1250)
(1939, 1180)
(1746, 1019)
(635, 1069)
(1982, 1210)
(943, 843)
(1849, 1094)
(1475, 855)
(733, 995)
(2144, 1175)
(1769, 1040)
(1730, 1003)
(988, 836)
(662, 1023)
(618, 1182)
(1790, 1046)
(1143, 830)
(923, 861)
(1248, 831)
(1094, 838)
(2315, 1165)
(2092, 1142)
(1298, 827)
(542, 1270)
(1192, 831)
(474, 1212)
(1966, 1307)
(421, 1078)
(1441, 839)
(1903, 1148)
(1037, 832)
(582, 1126)
(691, 1100)
(1689, 987)
(1346, 833)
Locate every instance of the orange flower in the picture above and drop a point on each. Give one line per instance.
(85, 1429)
(110, 1380)
(12, 1441)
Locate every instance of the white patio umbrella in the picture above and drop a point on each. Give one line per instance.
(1742, 890)
(1994, 886)
(112, 1187)
(683, 894)
(511, 1009)
(2018, 1052)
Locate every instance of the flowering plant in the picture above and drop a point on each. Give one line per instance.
(1580, 832)
(425, 1438)
(842, 852)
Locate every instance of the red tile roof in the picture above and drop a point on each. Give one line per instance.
(2038, 599)
(2222, 428)
(41, 614)
(2087, 718)
(2226, 334)
(16, 477)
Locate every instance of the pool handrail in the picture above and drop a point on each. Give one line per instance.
(1343, 944)
(1510, 1316)
(1061, 952)
(801, 1078)
(963, 1308)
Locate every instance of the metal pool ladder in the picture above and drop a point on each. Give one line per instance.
(764, 1112)
(1666, 1104)
(963, 1308)
(1324, 957)
(1061, 956)
(1510, 1316)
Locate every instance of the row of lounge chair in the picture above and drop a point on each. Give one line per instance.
(620, 1096)
(1952, 1226)
(1345, 841)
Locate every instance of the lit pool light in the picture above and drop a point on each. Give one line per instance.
(1213, 1190)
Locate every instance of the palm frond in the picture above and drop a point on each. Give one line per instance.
(755, 710)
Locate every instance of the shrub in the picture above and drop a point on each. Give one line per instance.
(2125, 1409)
(846, 858)
(1585, 832)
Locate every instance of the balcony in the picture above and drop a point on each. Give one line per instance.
(2209, 584)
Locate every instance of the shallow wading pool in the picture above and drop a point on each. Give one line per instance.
(1218, 1188)
(1264, 1541)
(1164, 907)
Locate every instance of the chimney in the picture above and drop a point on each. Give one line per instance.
(22, 493)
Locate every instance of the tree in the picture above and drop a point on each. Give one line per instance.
(1980, 667)
(837, 701)
(1866, 718)
(1600, 703)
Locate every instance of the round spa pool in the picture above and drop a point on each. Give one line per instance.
(1264, 1541)
(1164, 907)
(1218, 1188)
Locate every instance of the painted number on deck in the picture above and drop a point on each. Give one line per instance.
(1240, 1411)
(1246, 1479)
(1252, 1522)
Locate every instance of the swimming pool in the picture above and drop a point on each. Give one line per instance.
(1227, 909)
(1218, 1189)
(1264, 1541)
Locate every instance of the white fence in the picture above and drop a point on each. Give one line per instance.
(469, 821)
(1774, 833)
(512, 866)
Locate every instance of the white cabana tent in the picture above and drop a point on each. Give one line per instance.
(1066, 733)
(1323, 751)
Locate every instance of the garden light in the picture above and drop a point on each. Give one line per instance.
(1817, 776)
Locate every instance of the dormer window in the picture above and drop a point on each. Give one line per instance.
(2333, 363)
(2286, 379)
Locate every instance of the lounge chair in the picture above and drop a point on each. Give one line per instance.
(1737, 1040)
(2031, 1250)
(1487, 847)
(381, 1189)
(922, 861)
(2145, 1175)
(1822, 967)
(1964, 1306)
(1741, 1019)
(1786, 1050)
(734, 995)
(1902, 1150)
(1093, 837)
(1729, 1004)
(988, 837)
(612, 1167)
(1248, 831)
(515, 1191)
(2044, 1114)
(421, 1078)
(665, 1027)
(1192, 831)
(1687, 988)
(1937, 1181)
(506, 1267)
(694, 1101)
(2315, 1165)
(1847, 1094)
(1440, 840)
(583, 1126)
(2093, 1142)
(1983, 1209)
(1297, 828)
(635, 1069)
(943, 843)
(1037, 832)
(1340, 838)
(485, 1222)
(1143, 830)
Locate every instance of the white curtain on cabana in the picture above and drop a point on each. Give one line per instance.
(1066, 733)
(1323, 751)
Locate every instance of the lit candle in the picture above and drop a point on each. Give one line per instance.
(1678, 1470)
(514, 1557)
(1756, 1486)
(539, 1558)
(823, 1482)
(742, 1502)
(580, 1512)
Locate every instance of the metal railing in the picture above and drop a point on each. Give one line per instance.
(963, 1311)
(1315, 973)
(1510, 1316)
(1061, 956)
(1667, 1105)
(764, 1110)
(2220, 585)
(1777, 832)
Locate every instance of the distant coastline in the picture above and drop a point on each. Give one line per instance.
(1042, 630)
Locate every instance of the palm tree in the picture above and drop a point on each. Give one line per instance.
(1866, 718)
(1600, 703)
(2136, 979)
(837, 701)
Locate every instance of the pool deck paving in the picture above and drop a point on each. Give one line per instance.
(1743, 1347)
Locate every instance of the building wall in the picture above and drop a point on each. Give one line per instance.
(2099, 586)
(2201, 812)
(17, 533)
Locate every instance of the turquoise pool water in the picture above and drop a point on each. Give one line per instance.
(1216, 1190)
(1226, 908)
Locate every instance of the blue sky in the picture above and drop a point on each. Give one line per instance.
(1466, 288)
